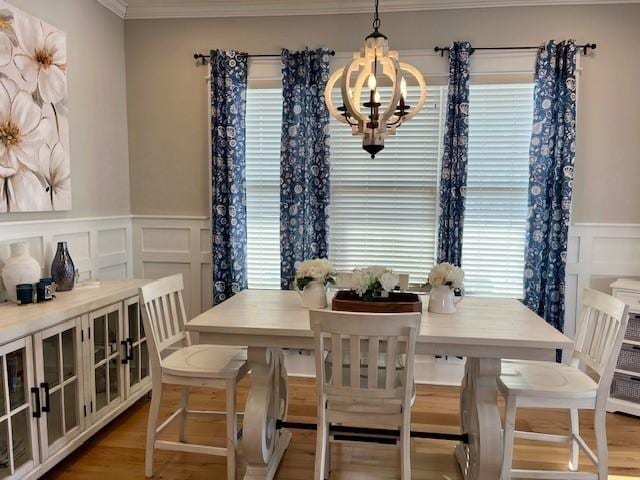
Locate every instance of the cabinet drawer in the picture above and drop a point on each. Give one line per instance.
(631, 299)
(626, 387)
(633, 327)
(629, 358)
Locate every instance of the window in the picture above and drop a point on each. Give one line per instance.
(500, 118)
(264, 122)
(384, 211)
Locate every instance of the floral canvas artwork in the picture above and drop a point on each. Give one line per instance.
(34, 129)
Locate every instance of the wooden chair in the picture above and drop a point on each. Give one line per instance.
(382, 396)
(599, 336)
(175, 361)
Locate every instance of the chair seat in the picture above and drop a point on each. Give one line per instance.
(545, 379)
(206, 361)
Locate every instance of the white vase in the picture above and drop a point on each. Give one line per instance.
(19, 268)
(443, 300)
(314, 295)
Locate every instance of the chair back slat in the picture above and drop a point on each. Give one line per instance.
(354, 359)
(336, 354)
(371, 334)
(600, 330)
(163, 315)
(372, 370)
(391, 361)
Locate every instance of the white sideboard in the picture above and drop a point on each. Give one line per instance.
(67, 368)
(625, 390)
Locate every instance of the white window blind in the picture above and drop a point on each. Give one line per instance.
(500, 118)
(383, 211)
(264, 121)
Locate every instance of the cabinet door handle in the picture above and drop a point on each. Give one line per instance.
(125, 356)
(130, 349)
(47, 406)
(36, 411)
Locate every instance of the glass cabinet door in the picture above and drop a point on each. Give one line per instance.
(105, 357)
(18, 426)
(58, 371)
(135, 343)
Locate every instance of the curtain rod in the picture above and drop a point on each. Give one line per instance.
(585, 48)
(203, 58)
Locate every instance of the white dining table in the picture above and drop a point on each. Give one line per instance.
(484, 330)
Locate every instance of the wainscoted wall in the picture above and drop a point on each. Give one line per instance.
(168, 245)
(599, 254)
(155, 246)
(100, 246)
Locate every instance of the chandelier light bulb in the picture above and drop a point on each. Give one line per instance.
(371, 82)
(376, 96)
(403, 88)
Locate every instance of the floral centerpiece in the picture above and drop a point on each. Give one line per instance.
(371, 282)
(373, 290)
(445, 284)
(311, 279)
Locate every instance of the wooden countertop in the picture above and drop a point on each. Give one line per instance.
(18, 321)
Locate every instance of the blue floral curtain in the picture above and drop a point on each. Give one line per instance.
(229, 212)
(453, 175)
(552, 155)
(304, 160)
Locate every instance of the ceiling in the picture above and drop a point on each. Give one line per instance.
(135, 9)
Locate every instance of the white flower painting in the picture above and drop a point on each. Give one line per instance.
(34, 129)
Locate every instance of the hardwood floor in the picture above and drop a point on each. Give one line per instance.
(118, 450)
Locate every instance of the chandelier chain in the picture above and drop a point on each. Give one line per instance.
(376, 19)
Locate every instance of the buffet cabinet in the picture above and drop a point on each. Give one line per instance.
(625, 387)
(67, 367)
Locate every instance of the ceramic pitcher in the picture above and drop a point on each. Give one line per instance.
(443, 300)
(314, 295)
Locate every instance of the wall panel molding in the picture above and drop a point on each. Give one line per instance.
(598, 254)
(99, 246)
(174, 244)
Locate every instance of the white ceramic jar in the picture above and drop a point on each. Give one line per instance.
(19, 268)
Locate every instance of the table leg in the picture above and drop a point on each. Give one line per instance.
(262, 444)
(480, 459)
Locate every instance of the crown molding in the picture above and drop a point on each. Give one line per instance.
(119, 7)
(149, 9)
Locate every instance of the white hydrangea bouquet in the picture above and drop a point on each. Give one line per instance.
(318, 269)
(371, 282)
(446, 274)
(311, 280)
(446, 287)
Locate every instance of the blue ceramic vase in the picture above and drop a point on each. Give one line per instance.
(62, 269)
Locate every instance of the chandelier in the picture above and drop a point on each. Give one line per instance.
(362, 106)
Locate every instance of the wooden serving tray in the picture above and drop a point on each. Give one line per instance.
(347, 301)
